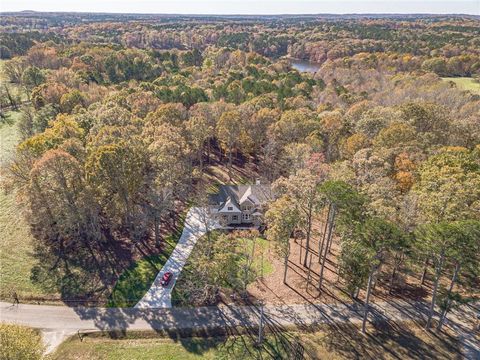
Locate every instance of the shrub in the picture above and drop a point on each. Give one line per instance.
(20, 343)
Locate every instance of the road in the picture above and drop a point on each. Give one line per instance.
(195, 227)
(59, 322)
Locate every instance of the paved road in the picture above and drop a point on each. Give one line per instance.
(161, 297)
(58, 322)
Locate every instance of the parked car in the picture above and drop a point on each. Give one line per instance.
(166, 278)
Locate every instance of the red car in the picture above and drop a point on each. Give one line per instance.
(166, 278)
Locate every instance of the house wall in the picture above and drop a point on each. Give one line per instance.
(234, 218)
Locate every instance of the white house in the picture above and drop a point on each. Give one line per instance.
(240, 204)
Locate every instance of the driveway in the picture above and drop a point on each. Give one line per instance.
(197, 222)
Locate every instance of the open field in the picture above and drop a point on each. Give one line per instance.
(16, 259)
(465, 83)
(400, 341)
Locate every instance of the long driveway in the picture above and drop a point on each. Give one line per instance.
(197, 222)
(58, 322)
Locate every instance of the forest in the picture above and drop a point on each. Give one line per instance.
(125, 121)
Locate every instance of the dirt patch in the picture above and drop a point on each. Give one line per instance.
(302, 285)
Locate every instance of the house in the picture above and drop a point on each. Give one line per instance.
(240, 204)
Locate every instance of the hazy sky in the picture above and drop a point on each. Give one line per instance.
(247, 6)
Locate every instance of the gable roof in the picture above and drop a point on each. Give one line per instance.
(232, 204)
(257, 194)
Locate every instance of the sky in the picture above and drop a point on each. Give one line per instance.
(248, 6)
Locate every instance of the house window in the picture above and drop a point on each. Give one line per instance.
(230, 208)
(234, 217)
(246, 216)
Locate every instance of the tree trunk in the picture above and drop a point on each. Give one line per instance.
(200, 159)
(301, 249)
(230, 154)
(309, 275)
(320, 247)
(286, 265)
(157, 230)
(356, 293)
(324, 256)
(424, 273)
(367, 300)
(392, 277)
(447, 305)
(438, 272)
(330, 229)
(309, 232)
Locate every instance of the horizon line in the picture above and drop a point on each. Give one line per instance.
(237, 14)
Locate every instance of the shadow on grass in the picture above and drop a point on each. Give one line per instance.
(103, 271)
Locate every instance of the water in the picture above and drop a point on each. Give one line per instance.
(305, 66)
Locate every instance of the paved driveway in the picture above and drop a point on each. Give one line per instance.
(196, 223)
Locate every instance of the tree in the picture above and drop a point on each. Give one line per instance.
(229, 130)
(345, 211)
(117, 174)
(172, 114)
(212, 265)
(70, 100)
(20, 342)
(449, 241)
(169, 156)
(199, 132)
(282, 219)
(32, 76)
(379, 237)
(293, 126)
(354, 265)
(448, 186)
(302, 190)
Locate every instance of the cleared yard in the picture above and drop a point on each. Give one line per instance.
(16, 259)
(465, 83)
(401, 341)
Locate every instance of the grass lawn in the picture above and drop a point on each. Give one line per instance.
(405, 341)
(16, 248)
(465, 83)
(15, 89)
(136, 280)
(261, 264)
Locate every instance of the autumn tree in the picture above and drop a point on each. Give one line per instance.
(302, 190)
(448, 187)
(229, 130)
(282, 219)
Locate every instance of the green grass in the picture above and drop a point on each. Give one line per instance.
(16, 259)
(465, 83)
(137, 279)
(261, 246)
(15, 89)
(405, 341)
(139, 349)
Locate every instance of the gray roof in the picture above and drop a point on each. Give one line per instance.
(258, 194)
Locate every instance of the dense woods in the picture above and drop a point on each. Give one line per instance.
(122, 120)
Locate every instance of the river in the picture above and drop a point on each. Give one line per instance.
(305, 66)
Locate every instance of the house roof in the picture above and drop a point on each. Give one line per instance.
(257, 194)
